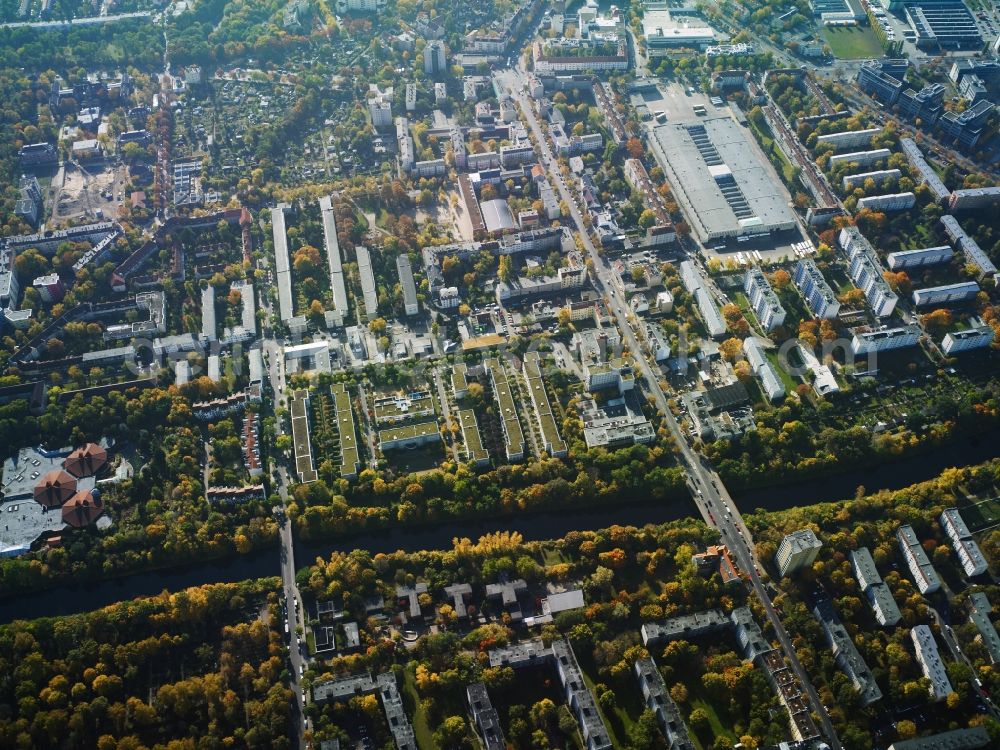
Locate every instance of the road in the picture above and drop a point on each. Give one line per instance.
(707, 490)
(89, 21)
(297, 650)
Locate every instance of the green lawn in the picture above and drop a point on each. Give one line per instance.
(982, 514)
(852, 43)
(421, 727)
(718, 728)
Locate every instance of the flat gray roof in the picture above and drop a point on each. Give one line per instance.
(719, 180)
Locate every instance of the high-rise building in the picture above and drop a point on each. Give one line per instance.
(797, 550)
(762, 298)
(410, 304)
(865, 272)
(815, 290)
(435, 57)
(380, 109)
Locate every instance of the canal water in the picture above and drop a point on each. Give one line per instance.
(80, 598)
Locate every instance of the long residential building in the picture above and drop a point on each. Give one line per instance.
(928, 176)
(919, 258)
(846, 655)
(579, 698)
(367, 281)
(930, 662)
(410, 304)
(977, 337)
(543, 409)
(979, 615)
(972, 738)
(879, 177)
(658, 700)
(949, 294)
(969, 247)
(333, 257)
(282, 264)
(889, 202)
(849, 138)
(879, 596)
(864, 270)
(861, 158)
(763, 300)
(474, 450)
(924, 575)
(485, 717)
(965, 547)
(972, 198)
(299, 408)
(350, 454)
(510, 424)
(770, 380)
(884, 339)
(710, 314)
(819, 297)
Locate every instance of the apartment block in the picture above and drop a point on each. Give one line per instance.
(978, 337)
(979, 615)
(928, 176)
(949, 294)
(819, 297)
(846, 655)
(763, 300)
(865, 272)
(920, 257)
(923, 573)
(965, 547)
(509, 422)
(849, 138)
(657, 699)
(874, 588)
(861, 158)
(879, 176)
(930, 662)
(884, 339)
(547, 425)
(797, 550)
(889, 202)
(969, 247)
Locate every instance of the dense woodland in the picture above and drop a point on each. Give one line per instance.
(197, 668)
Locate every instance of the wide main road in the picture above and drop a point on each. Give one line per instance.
(707, 490)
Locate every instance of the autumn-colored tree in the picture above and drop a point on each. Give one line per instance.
(735, 320)
(937, 321)
(730, 349)
(634, 148)
(853, 298)
(780, 279)
(898, 281)
(505, 269)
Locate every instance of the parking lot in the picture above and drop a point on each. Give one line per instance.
(677, 102)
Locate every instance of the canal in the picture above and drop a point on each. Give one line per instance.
(80, 598)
